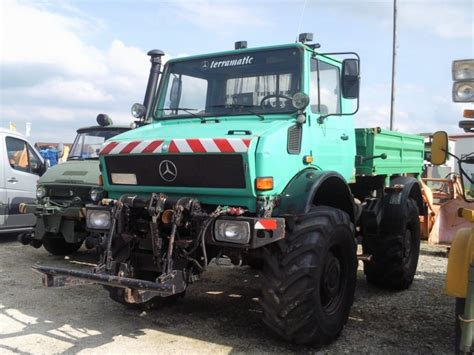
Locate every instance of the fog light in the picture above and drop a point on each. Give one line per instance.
(232, 231)
(138, 110)
(98, 219)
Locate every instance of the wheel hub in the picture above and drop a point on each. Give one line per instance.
(331, 278)
(407, 244)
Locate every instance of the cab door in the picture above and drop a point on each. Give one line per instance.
(21, 174)
(3, 191)
(334, 138)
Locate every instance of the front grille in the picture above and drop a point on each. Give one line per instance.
(193, 170)
(67, 193)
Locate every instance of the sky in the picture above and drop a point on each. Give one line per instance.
(63, 62)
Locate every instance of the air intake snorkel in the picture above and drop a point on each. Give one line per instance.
(143, 112)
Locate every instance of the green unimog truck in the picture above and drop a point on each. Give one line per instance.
(64, 190)
(252, 154)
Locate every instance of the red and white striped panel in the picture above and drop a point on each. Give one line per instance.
(268, 224)
(134, 147)
(209, 145)
(191, 145)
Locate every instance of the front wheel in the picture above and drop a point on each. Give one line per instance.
(310, 277)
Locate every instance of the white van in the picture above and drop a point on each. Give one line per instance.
(20, 167)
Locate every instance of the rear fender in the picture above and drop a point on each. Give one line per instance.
(312, 187)
(411, 189)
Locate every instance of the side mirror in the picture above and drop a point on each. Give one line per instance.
(60, 150)
(40, 169)
(175, 93)
(439, 148)
(350, 78)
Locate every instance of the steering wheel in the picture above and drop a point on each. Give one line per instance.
(271, 96)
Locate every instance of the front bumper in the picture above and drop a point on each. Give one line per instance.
(136, 290)
(56, 220)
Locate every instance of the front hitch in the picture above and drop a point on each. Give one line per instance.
(136, 290)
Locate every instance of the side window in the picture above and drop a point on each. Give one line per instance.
(329, 90)
(17, 153)
(35, 162)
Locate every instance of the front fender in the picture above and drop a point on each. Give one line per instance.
(311, 187)
(460, 258)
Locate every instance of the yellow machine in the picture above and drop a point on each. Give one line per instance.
(460, 273)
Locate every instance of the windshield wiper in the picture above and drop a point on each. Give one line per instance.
(245, 107)
(187, 110)
(75, 157)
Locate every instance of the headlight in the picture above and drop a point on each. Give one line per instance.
(96, 194)
(300, 100)
(463, 69)
(40, 192)
(463, 91)
(98, 219)
(232, 231)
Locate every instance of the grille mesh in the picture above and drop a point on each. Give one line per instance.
(294, 139)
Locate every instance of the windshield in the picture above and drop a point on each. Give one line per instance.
(87, 144)
(256, 83)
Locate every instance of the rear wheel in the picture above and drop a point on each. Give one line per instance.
(310, 276)
(396, 249)
(58, 246)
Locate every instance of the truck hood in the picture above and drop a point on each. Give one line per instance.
(213, 161)
(83, 172)
(193, 128)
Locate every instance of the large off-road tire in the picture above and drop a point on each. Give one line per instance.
(309, 277)
(58, 246)
(396, 249)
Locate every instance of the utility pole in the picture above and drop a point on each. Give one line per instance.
(394, 54)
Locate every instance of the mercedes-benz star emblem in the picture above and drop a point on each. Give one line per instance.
(168, 170)
(205, 65)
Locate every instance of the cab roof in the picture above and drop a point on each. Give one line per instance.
(297, 45)
(102, 128)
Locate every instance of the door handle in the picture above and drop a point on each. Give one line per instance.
(344, 137)
(13, 180)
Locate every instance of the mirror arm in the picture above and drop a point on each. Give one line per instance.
(450, 154)
(323, 117)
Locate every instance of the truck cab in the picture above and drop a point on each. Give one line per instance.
(64, 190)
(20, 168)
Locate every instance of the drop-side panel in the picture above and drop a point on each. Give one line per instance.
(405, 152)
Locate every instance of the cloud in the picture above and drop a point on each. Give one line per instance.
(52, 74)
(220, 16)
(446, 19)
(417, 109)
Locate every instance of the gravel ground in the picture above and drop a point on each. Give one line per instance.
(219, 314)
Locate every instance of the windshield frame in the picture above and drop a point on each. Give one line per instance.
(83, 132)
(160, 97)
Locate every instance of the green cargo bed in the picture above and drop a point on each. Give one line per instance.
(405, 152)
